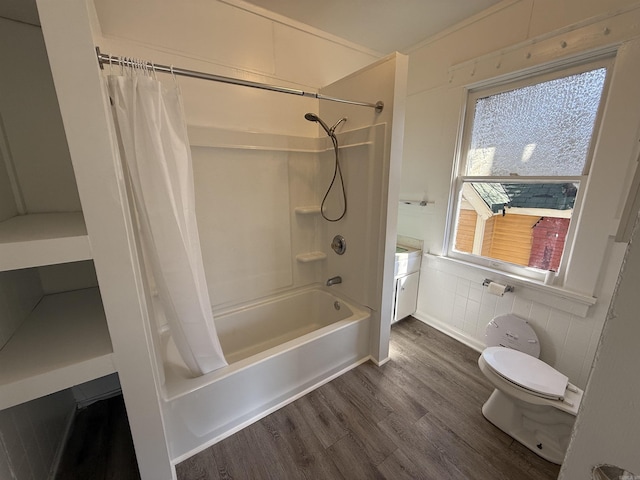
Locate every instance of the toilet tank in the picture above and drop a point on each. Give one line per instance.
(511, 331)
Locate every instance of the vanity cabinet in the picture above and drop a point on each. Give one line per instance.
(406, 296)
(406, 279)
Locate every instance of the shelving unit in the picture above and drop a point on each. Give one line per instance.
(43, 239)
(63, 342)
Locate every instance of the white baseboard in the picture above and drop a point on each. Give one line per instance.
(85, 402)
(447, 330)
(379, 363)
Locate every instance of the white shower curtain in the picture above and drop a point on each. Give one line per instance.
(152, 135)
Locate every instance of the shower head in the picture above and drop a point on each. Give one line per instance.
(312, 117)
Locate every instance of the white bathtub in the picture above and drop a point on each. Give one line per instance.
(278, 349)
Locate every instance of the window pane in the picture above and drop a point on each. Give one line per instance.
(538, 130)
(521, 223)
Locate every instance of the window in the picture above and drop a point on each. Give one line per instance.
(522, 171)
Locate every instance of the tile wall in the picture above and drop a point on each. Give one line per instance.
(457, 303)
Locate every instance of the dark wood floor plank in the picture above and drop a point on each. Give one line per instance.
(358, 391)
(304, 450)
(269, 449)
(239, 456)
(375, 445)
(407, 402)
(198, 467)
(398, 466)
(537, 465)
(352, 461)
(470, 462)
(327, 428)
(423, 451)
(461, 379)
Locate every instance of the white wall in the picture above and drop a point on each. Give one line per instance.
(35, 150)
(607, 429)
(223, 39)
(484, 47)
(371, 230)
(32, 436)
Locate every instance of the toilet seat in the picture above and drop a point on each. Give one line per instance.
(527, 372)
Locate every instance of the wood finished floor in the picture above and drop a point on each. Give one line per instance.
(416, 417)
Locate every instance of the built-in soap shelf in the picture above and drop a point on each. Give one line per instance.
(311, 257)
(43, 239)
(63, 342)
(308, 210)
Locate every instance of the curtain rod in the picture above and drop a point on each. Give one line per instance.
(104, 58)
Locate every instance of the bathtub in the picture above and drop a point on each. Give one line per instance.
(278, 349)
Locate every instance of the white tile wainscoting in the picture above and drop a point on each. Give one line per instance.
(452, 299)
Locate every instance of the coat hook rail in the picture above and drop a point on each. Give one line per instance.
(104, 58)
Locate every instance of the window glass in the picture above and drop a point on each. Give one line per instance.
(536, 137)
(538, 130)
(521, 223)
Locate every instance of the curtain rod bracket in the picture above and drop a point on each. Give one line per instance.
(100, 61)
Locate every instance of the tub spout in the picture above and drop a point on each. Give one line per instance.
(334, 280)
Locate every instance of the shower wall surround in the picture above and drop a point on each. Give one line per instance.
(257, 204)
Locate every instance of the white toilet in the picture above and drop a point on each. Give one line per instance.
(533, 403)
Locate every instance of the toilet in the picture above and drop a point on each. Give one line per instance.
(532, 402)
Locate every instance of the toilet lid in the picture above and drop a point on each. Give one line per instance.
(526, 371)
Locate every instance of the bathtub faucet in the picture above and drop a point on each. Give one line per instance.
(334, 280)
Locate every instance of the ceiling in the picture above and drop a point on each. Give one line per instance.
(384, 26)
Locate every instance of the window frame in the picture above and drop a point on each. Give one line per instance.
(496, 86)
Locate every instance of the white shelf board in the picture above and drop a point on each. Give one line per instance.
(43, 239)
(63, 342)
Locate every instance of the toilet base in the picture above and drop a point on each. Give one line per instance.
(543, 429)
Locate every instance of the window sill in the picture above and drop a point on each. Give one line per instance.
(550, 295)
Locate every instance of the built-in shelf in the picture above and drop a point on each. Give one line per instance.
(307, 210)
(311, 257)
(43, 239)
(63, 342)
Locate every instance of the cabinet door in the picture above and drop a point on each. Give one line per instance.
(406, 295)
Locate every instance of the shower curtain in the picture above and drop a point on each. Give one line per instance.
(152, 134)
